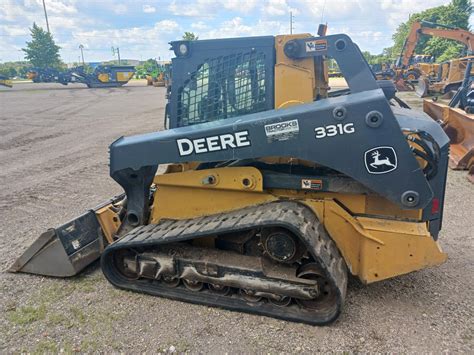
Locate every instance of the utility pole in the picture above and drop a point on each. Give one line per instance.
(46, 16)
(81, 47)
(118, 53)
(291, 22)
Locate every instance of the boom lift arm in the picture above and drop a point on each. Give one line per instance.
(428, 28)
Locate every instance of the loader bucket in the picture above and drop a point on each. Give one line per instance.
(403, 85)
(459, 126)
(63, 251)
(423, 87)
(68, 249)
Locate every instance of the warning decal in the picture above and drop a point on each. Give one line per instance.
(311, 184)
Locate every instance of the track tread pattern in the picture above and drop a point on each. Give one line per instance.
(294, 216)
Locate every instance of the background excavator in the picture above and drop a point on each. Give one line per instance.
(271, 188)
(431, 76)
(434, 77)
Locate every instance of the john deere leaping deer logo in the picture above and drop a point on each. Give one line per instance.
(380, 160)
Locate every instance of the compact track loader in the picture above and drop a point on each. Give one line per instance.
(272, 188)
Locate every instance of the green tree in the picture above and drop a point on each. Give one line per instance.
(42, 51)
(190, 36)
(455, 14)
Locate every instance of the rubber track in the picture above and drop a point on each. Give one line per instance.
(294, 216)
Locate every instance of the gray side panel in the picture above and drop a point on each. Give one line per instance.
(342, 152)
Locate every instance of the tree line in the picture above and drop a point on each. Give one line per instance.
(455, 14)
(42, 51)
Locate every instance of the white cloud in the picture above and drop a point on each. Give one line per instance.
(199, 8)
(236, 27)
(60, 7)
(200, 25)
(242, 6)
(276, 8)
(143, 41)
(148, 9)
(209, 8)
(120, 9)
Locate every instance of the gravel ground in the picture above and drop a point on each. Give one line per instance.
(53, 158)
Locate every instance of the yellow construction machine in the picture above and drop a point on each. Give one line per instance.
(450, 77)
(272, 188)
(418, 64)
(432, 77)
(5, 81)
(456, 116)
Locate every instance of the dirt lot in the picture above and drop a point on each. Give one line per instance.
(53, 159)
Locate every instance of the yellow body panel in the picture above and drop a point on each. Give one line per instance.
(199, 198)
(6, 82)
(294, 80)
(124, 76)
(298, 81)
(103, 77)
(109, 222)
(374, 247)
(428, 69)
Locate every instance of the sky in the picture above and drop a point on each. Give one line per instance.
(143, 28)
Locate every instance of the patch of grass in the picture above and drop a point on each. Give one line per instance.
(53, 292)
(87, 283)
(78, 314)
(89, 344)
(55, 319)
(59, 290)
(27, 314)
(51, 347)
(46, 347)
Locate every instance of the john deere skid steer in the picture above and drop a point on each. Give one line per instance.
(272, 188)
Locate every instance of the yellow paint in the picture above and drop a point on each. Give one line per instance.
(6, 82)
(124, 76)
(233, 188)
(374, 247)
(109, 222)
(301, 80)
(428, 69)
(229, 178)
(407, 247)
(103, 77)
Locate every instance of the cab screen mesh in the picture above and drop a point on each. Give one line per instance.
(223, 87)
